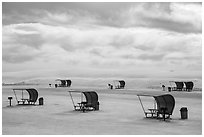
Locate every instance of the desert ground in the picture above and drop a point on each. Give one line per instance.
(120, 113)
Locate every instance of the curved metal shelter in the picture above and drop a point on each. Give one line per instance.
(64, 83)
(119, 84)
(164, 106)
(69, 82)
(33, 96)
(179, 85)
(91, 101)
(189, 85)
(182, 85)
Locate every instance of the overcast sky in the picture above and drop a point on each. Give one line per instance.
(101, 40)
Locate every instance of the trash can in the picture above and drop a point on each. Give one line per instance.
(169, 89)
(97, 106)
(184, 113)
(40, 101)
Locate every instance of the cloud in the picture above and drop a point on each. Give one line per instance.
(111, 43)
(23, 34)
(19, 44)
(152, 57)
(144, 47)
(178, 17)
(122, 40)
(17, 53)
(15, 58)
(167, 24)
(79, 39)
(97, 52)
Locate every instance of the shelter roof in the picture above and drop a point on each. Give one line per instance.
(150, 95)
(79, 91)
(21, 88)
(61, 79)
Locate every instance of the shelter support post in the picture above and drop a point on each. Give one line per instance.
(142, 106)
(72, 100)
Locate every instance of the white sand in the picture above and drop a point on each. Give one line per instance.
(120, 114)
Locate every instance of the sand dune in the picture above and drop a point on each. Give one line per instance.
(120, 114)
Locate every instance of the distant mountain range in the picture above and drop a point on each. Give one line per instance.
(19, 83)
